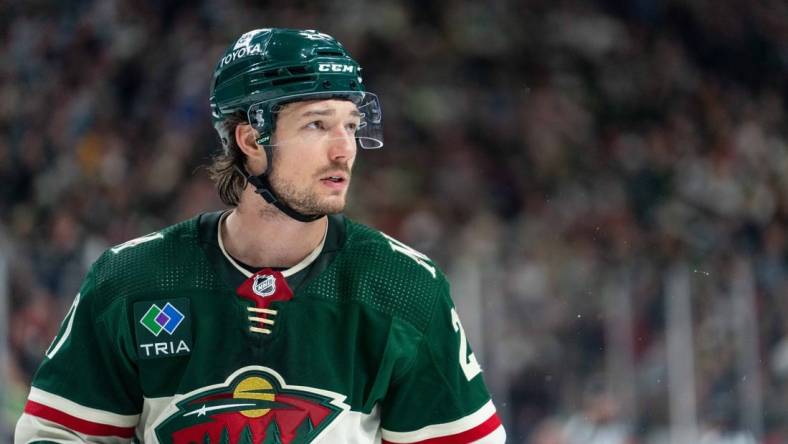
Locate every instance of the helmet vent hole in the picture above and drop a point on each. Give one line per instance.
(288, 80)
(326, 84)
(296, 70)
(329, 52)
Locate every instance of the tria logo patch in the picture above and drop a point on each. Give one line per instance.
(163, 328)
(264, 285)
(254, 405)
(158, 319)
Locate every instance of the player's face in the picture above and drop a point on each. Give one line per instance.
(314, 154)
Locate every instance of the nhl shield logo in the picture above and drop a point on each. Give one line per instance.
(264, 285)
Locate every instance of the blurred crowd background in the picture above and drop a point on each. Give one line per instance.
(605, 182)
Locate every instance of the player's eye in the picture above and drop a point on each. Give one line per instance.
(317, 124)
(355, 123)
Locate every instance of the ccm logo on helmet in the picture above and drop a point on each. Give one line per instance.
(334, 67)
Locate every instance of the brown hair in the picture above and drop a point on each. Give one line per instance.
(224, 166)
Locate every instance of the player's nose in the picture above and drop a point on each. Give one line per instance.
(342, 145)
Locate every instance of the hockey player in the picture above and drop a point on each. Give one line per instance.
(280, 320)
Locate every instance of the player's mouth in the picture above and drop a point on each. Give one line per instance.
(335, 181)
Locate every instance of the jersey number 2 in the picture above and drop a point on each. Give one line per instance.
(468, 363)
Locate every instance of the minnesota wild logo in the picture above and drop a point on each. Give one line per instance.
(254, 405)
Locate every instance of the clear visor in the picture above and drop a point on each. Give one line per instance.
(314, 118)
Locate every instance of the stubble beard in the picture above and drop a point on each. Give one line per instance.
(304, 199)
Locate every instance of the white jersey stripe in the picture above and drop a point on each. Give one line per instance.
(80, 411)
(444, 429)
(497, 436)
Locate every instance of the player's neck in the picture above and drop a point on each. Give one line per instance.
(264, 238)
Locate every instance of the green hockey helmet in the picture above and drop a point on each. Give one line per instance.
(265, 69)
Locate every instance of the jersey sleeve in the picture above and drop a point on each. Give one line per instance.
(85, 389)
(442, 397)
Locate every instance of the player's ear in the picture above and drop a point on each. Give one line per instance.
(246, 138)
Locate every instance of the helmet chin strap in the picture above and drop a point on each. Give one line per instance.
(263, 187)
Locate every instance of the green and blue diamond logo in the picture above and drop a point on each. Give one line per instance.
(153, 319)
(158, 319)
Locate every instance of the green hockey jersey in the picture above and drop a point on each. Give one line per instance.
(171, 340)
